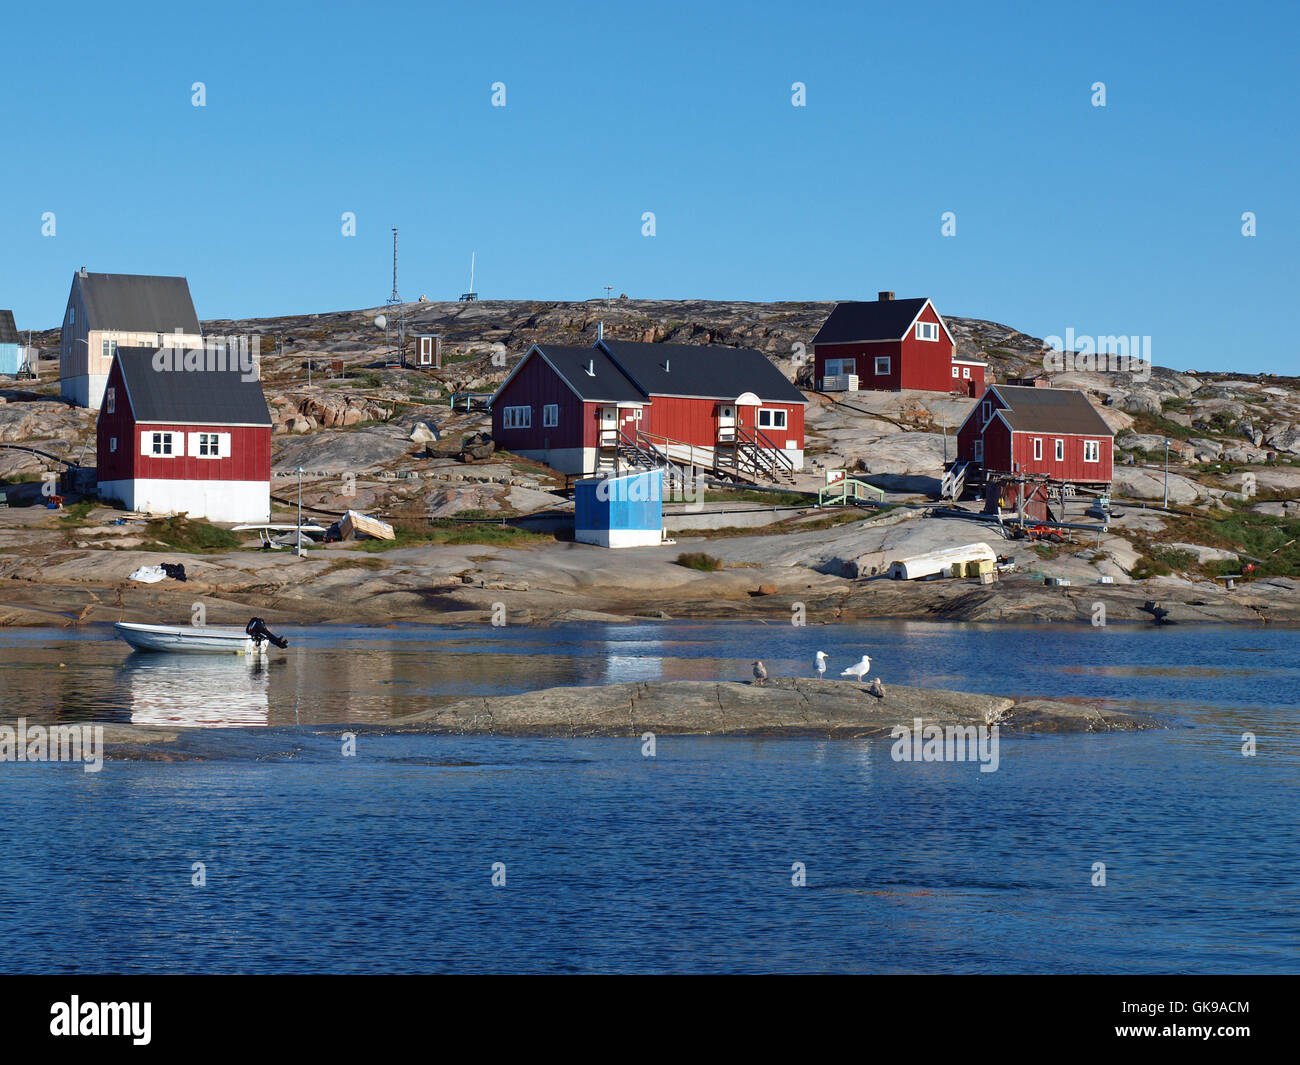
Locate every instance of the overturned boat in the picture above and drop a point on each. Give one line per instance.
(254, 639)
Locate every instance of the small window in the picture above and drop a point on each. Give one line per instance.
(927, 331)
(112, 444)
(1060, 450)
(986, 411)
(109, 348)
(965, 372)
(954, 371)
(1092, 451)
(836, 367)
(551, 415)
(1038, 448)
(636, 415)
(882, 365)
(518, 418)
(771, 419)
(110, 400)
(209, 446)
(160, 444)
(72, 316)
(979, 450)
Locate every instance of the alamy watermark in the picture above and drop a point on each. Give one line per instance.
(237, 354)
(1114, 354)
(53, 743)
(954, 743)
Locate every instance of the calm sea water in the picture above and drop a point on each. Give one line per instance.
(617, 862)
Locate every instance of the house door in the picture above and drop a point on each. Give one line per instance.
(726, 422)
(608, 426)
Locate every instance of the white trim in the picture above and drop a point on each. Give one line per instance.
(550, 415)
(522, 416)
(875, 365)
(1095, 446)
(925, 327)
(785, 418)
(1038, 449)
(224, 425)
(147, 443)
(1059, 450)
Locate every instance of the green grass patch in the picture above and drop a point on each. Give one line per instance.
(453, 533)
(700, 561)
(744, 495)
(192, 537)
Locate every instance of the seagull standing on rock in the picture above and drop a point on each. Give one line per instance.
(860, 670)
(760, 673)
(821, 664)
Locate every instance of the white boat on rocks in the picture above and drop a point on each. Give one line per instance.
(253, 639)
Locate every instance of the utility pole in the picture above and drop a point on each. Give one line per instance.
(298, 550)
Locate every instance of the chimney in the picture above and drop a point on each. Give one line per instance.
(591, 367)
(600, 330)
(667, 365)
(885, 297)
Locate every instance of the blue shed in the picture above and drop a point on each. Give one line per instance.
(12, 350)
(620, 511)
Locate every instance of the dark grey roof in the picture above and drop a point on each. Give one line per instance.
(8, 331)
(196, 396)
(133, 303)
(608, 385)
(869, 320)
(1051, 410)
(706, 371)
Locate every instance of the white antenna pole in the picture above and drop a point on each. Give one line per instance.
(471, 271)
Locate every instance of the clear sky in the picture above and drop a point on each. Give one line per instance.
(1123, 219)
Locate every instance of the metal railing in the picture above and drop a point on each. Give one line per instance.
(838, 494)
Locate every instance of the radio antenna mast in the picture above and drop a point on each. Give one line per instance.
(396, 300)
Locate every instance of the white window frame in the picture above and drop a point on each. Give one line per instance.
(153, 441)
(841, 366)
(986, 411)
(110, 400)
(550, 415)
(876, 365)
(1092, 451)
(1060, 450)
(954, 371)
(1038, 449)
(777, 418)
(108, 348)
(636, 414)
(927, 331)
(517, 417)
(965, 372)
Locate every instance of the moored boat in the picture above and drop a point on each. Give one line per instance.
(253, 639)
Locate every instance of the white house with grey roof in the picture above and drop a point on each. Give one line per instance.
(108, 311)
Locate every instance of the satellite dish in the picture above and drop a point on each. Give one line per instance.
(380, 321)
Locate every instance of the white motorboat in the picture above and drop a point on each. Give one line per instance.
(253, 639)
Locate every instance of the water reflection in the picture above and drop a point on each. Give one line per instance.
(197, 691)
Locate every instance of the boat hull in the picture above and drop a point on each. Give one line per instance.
(195, 640)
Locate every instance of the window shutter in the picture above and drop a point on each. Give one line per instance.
(192, 444)
(224, 451)
(146, 443)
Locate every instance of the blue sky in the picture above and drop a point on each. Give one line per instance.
(1117, 220)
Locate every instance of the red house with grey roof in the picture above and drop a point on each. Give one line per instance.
(185, 431)
(890, 344)
(622, 404)
(1051, 433)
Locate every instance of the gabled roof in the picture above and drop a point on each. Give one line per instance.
(192, 397)
(701, 371)
(1064, 411)
(870, 320)
(605, 384)
(138, 303)
(8, 331)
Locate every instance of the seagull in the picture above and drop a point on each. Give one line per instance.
(860, 670)
(821, 664)
(876, 688)
(760, 673)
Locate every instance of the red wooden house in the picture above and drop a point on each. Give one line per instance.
(889, 345)
(185, 435)
(1052, 434)
(582, 410)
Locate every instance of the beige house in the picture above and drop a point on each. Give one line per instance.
(108, 311)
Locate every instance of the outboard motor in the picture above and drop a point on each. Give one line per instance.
(256, 628)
